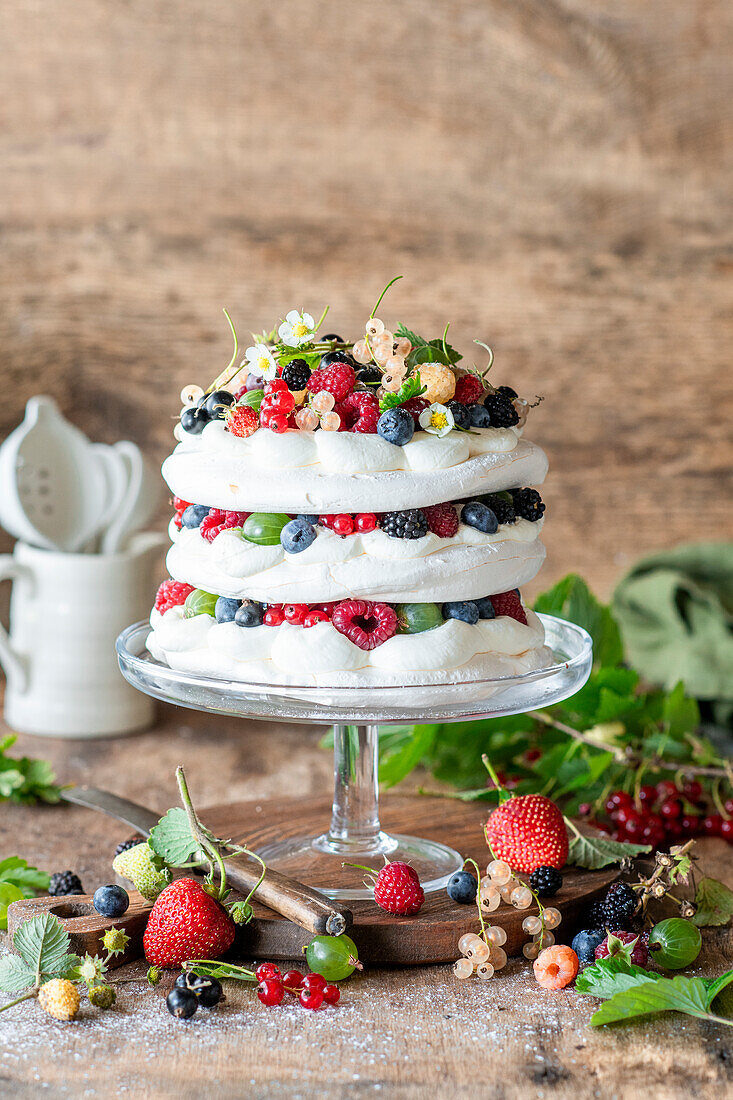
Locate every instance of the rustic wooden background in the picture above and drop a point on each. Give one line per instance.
(550, 175)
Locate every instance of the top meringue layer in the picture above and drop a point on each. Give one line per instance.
(328, 472)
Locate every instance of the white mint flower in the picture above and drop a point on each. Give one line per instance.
(296, 329)
(437, 419)
(261, 361)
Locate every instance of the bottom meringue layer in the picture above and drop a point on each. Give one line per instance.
(454, 652)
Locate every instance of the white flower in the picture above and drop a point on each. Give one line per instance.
(437, 419)
(261, 361)
(296, 329)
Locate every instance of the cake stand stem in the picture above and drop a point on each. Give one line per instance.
(355, 819)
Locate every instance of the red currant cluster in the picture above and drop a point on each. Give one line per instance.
(277, 406)
(312, 990)
(297, 614)
(662, 814)
(344, 524)
(179, 507)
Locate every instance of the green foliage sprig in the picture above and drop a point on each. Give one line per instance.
(23, 779)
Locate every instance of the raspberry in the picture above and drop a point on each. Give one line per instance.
(414, 407)
(180, 505)
(398, 890)
(614, 945)
(365, 623)
(338, 380)
(359, 412)
(242, 420)
(171, 594)
(555, 967)
(442, 520)
(469, 389)
(218, 521)
(509, 603)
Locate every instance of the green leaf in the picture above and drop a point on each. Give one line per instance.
(680, 714)
(210, 968)
(11, 780)
(9, 893)
(715, 986)
(612, 975)
(688, 995)
(427, 351)
(394, 767)
(714, 901)
(595, 852)
(172, 839)
(43, 944)
(411, 387)
(29, 880)
(15, 975)
(572, 599)
(253, 399)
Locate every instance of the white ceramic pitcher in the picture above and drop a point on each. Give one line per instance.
(66, 611)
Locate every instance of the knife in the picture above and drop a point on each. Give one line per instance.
(301, 905)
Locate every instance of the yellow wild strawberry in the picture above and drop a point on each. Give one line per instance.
(59, 998)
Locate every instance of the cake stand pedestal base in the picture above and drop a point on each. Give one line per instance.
(432, 935)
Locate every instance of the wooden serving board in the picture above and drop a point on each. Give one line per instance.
(85, 925)
(429, 937)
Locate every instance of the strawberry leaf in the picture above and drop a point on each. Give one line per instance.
(714, 902)
(172, 840)
(595, 852)
(15, 975)
(687, 995)
(43, 945)
(612, 975)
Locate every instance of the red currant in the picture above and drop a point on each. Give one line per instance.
(275, 385)
(278, 423)
(314, 617)
(293, 981)
(728, 805)
(273, 617)
(366, 521)
(266, 971)
(283, 401)
(711, 825)
(311, 998)
(295, 613)
(726, 830)
(666, 788)
(616, 800)
(585, 809)
(315, 981)
(180, 505)
(690, 824)
(343, 525)
(671, 809)
(331, 994)
(633, 826)
(271, 992)
(648, 794)
(326, 521)
(692, 791)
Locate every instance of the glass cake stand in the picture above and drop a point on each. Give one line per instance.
(355, 835)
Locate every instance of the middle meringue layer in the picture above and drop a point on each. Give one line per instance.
(369, 565)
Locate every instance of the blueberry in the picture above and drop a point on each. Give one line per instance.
(297, 536)
(462, 887)
(208, 991)
(194, 420)
(309, 519)
(181, 1003)
(217, 403)
(475, 514)
(396, 426)
(225, 609)
(485, 608)
(194, 514)
(249, 614)
(465, 610)
(111, 901)
(586, 942)
(480, 417)
(461, 414)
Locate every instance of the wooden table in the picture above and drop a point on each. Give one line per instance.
(400, 1033)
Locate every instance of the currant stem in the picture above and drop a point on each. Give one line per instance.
(381, 296)
(18, 1000)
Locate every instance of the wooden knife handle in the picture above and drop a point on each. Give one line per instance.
(308, 908)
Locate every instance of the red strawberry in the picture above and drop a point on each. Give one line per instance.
(509, 603)
(171, 594)
(398, 890)
(186, 923)
(528, 831)
(242, 420)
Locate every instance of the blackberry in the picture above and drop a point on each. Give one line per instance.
(411, 524)
(546, 881)
(295, 375)
(370, 375)
(63, 883)
(502, 505)
(507, 391)
(528, 504)
(461, 415)
(500, 409)
(595, 915)
(619, 906)
(131, 842)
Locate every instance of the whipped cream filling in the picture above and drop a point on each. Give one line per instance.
(453, 652)
(347, 472)
(371, 565)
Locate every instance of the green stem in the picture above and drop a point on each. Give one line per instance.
(503, 792)
(717, 1019)
(197, 831)
(323, 318)
(379, 299)
(17, 1001)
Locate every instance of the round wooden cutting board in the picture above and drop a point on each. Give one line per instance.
(432, 935)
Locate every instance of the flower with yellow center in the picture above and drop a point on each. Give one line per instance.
(296, 329)
(261, 361)
(437, 419)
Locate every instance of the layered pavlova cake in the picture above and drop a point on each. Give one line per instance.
(351, 514)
